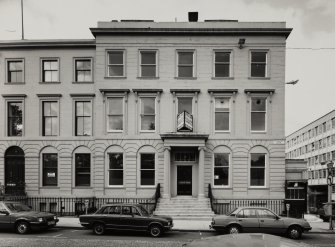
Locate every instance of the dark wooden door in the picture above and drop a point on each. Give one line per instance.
(184, 180)
(14, 171)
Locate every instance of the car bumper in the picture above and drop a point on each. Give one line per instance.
(216, 227)
(44, 225)
(306, 229)
(168, 228)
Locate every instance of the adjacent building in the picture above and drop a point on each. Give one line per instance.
(315, 143)
(181, 104)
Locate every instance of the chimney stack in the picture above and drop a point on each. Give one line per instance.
(192, 16)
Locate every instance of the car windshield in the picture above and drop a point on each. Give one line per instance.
(17, 207)
(144, 212)
(233, 212)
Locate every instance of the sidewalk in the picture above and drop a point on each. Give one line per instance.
(193, 225)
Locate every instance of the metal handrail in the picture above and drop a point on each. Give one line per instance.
(157, 195)
(210, 196)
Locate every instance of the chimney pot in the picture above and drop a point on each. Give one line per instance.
(192, 16)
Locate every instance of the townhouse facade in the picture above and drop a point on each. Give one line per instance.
(183, 105)
(315, 143)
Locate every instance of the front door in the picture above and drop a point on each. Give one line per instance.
(14, 171)
(184, 180)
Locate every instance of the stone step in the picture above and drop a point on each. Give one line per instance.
(193, 218)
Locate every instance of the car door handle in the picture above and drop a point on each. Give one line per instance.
(239, 220)
(262, 220)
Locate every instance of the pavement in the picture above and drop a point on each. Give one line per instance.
(318, 226)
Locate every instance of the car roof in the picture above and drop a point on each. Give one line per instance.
(253, 207)
(120, 204)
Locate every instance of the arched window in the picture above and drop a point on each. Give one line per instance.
(258, 167)
(82, 166)
(222, 167)
(115, 166)
(147, 166)
(49, 161)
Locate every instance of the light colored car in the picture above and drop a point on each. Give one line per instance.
(245, 239)
(259, 219)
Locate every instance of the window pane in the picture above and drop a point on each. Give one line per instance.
(148, 123)
(249, 213)
(257, 177)
(47, 126)
(258, 70)
(116, 177)
(258, 160)
(115, 106)
(116, 57)
(54, 76)
(148, 105)
(80, 126)
(185, 57)
(147, 161)
(185, 104)
(221, 70)
(221, 175)
(87, 108)
(54, 126)
(87, 129)
(148, 71)
(115, 123)
(49, 169)
(258, 57)
(221, 159)
(258, 121)
(115, 70)
(79, 108)
(47, 76)
(46, 65)
(83, 169)
(262, 213)
(222, 121)
(116, 161)
(185, 71)
(148, 177)
(258, 105)
(80, 75)
(15, 109)
(148, 57)
(223, 57)
(54, 65)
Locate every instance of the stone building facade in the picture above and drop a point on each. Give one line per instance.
(183, 105)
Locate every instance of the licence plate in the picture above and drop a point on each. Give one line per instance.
(52, 222)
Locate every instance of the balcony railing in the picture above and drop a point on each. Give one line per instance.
(184, 122)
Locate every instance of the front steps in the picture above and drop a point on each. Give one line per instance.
(185, 208)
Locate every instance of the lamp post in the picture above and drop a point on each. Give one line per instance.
(330, 168)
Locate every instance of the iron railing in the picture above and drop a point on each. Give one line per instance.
(224, 206)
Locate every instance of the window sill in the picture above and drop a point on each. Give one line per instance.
(115, 77)
(147, 77)
(258, 188)
(222, 131)
(221, 187)
(115, 187)
(114, 131)
(185, 78)
(83, 82)
(14, 83)
(147, 187)
(258, 132)
(147, 131)
(49, 187)
(82, 187)
(223, 78)
(259, 78)
(49, 82)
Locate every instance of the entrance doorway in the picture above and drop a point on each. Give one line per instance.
(14, 171)
(184, 180)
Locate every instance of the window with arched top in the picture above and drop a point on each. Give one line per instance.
(258, 167)
(222, 167)
(147, 166)
(115, 166)
(49, 161)
(82, 166)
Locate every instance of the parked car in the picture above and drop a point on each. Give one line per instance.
(17, 216)
(322, 214)
(259, 219)
(126, 217)
(245, 239)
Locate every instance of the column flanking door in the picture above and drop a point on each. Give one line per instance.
(184, 180)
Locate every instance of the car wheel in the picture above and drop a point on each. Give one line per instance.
(22, 227)
(294, 232)
(155, 231)
(234, 229)
(99, 229)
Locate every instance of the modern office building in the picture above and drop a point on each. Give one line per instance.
(315, 143)
(181, 104)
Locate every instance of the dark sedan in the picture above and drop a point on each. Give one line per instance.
(126, 217)
(259, 219)
(17, 216)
